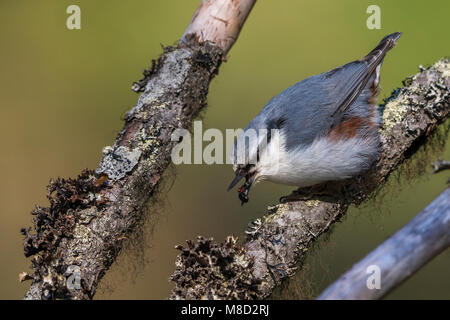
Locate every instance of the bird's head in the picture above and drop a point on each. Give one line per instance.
(245, 158)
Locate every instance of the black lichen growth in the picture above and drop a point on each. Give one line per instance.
(67, 197)
(208, 270)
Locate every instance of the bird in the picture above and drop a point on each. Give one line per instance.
(321, 129)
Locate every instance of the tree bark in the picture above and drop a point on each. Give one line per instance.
(219, 22)
(423, 238)
(278, 242)
(89, 217)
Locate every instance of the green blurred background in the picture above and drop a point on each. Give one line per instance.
(63, 94)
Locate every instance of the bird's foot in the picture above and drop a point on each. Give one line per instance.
(301, 194)
(308, 193)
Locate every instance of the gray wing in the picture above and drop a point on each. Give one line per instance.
(311, 107)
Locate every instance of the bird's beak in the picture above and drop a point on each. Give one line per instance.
(235, 181)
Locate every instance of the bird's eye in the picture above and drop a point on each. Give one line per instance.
(244, 171)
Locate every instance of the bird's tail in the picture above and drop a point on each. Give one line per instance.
(372, 71)
(376, 56)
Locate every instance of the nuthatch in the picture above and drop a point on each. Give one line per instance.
(326, 128)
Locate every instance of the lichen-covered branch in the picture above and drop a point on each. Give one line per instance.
(89, 217)
(278, 242)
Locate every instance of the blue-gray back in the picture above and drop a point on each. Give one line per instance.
(305, 110)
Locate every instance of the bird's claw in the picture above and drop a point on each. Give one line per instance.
(301, 194)
(308, 193)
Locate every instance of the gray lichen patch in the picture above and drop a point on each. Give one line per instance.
(443, 66)
(394, 112)
(148, 138)
(173, 73)
(312, 203)
(426, 89)
(117, 163)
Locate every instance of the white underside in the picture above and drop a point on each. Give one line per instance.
(324, 160)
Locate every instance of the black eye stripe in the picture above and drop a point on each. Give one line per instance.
(244, 171)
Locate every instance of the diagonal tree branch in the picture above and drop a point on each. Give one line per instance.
(81, 233)
(278, 242)
(399, 257)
